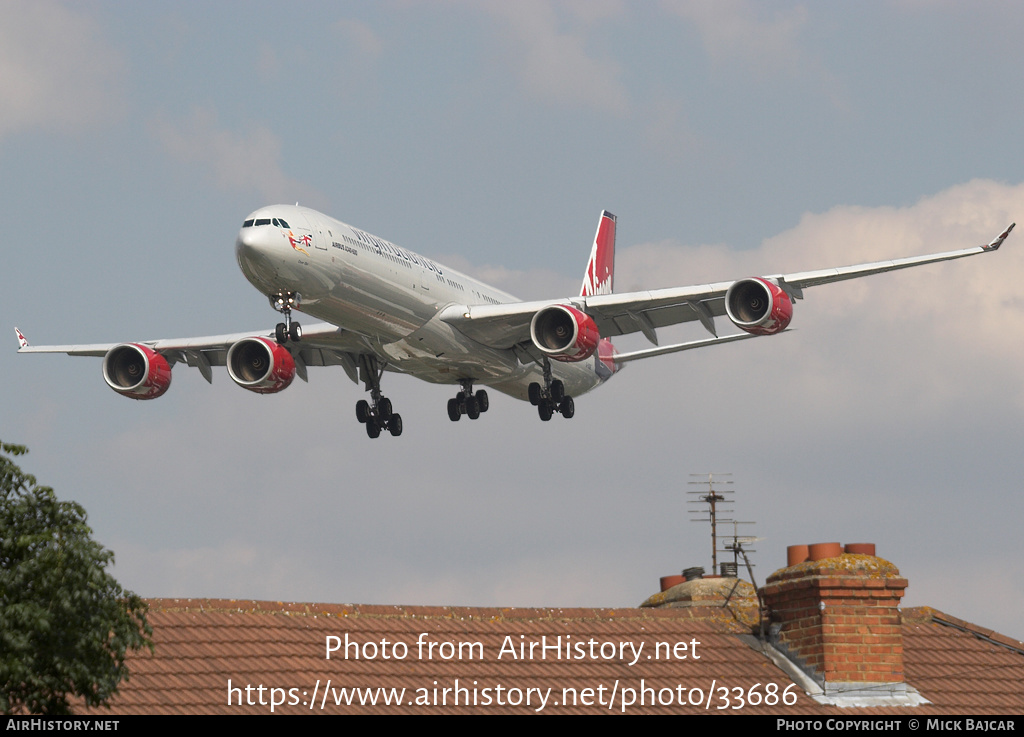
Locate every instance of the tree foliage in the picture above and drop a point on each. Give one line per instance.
(65, 623)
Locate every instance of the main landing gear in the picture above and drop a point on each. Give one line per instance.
(551, 397)
(467, 403)
(287, 330)
(378, 414)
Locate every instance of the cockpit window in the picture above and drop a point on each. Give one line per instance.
(279, 222)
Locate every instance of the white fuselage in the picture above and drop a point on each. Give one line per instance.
(390, 297)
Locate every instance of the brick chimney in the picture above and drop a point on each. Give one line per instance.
(836, 616)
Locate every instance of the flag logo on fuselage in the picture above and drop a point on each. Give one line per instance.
(302, 240)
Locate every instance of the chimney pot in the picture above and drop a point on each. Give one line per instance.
(820, 551)
(668, 582)
(860, 548)
(796, 554)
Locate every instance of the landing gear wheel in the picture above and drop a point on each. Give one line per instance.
(534, 393)
(284, 302)
(545, 410)
(567, 408)
(557, 391)
(377, 414)
(362, 411)
(482, 401)
(453, 410)
(472, 408)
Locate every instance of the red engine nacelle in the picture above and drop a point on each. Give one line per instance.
(758, 306)
(136, 371)
(260, 365)
(564, 333)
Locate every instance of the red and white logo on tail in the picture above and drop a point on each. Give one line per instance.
(598, 280)
(601, 267)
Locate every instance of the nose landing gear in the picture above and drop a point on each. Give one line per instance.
(283, 302)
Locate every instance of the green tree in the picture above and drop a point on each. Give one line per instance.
(65, 623)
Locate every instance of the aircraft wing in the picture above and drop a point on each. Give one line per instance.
(322, 344)
(508, 325)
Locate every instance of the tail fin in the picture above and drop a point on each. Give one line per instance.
(601, 267)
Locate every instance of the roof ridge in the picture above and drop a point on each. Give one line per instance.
(930, 614)
(255, 606)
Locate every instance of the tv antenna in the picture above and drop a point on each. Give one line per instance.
(739, 545)
(714, 496)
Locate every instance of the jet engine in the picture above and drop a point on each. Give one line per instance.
(260, 365)
(564, 333)
(136, 371)
(758, 306)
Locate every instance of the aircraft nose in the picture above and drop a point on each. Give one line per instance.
(258, 250)
(247, 236)
(256, 243)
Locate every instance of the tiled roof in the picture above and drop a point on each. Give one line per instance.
(201, 645)
(965, 668)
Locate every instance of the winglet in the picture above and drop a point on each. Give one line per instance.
(22, 342)
(994, 245)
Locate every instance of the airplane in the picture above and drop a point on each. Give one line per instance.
(386, 308)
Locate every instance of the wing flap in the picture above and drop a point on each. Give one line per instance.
(506, 325)
(651, 352)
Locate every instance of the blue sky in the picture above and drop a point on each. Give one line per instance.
(730, 139)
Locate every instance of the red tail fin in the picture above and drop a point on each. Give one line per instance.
(601, 267)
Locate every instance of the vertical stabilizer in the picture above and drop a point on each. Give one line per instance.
(601, 267)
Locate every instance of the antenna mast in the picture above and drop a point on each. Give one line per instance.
(713, 497)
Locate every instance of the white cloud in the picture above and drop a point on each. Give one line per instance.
(536, 283)
(667, 130)
(947, 322)
(738, 29)
(268, 63)
(593, 11)
(237, 161)
(359, 37)
(56, 70)
(555, 64)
